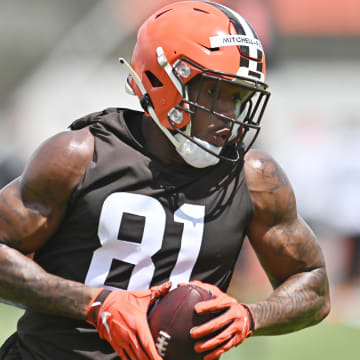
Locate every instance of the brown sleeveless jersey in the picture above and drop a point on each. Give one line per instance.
(134, 222)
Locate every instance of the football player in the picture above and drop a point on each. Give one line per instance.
(130, 202)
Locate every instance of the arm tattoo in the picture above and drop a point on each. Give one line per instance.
(288, 252)
(272, 174)
(273, 192)
(21, 218)
(24, 224)
(25, 284)
(44, 195)
(295, 241)
(292, 306)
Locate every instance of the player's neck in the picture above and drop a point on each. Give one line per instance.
(157, 144)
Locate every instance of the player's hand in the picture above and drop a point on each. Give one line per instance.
(121, 319)
(232, 327)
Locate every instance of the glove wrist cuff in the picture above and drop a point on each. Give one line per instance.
(251, 318)
(94, 306)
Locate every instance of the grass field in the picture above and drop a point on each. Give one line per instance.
(325, 341)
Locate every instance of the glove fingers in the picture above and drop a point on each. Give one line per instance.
(215, 291)
(142, 345)
(214, 354)
(226, 347)
(148, 344)
(215, 341)
(135, 350)
(159, 290)
(199, 283)
(122, 354)
(205, 286)
(124, 349)
(210, 326)
(218, 352)
(130, 353)
(213, 304)
(138, 346)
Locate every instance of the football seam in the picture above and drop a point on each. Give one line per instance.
(177, 310)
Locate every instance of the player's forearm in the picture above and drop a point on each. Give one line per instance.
(301, 301)
(25, 284)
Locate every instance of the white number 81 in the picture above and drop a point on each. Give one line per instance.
(115, 205)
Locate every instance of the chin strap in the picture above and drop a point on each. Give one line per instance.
(196, 156)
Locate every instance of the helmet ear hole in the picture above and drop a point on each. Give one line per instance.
(155, 82)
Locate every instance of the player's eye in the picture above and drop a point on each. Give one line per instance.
(211, 91)
(236, 98)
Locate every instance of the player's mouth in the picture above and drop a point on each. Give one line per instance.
(220, 136)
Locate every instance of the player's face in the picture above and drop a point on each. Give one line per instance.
(215, 97)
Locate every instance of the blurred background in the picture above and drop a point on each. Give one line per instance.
(58, 61)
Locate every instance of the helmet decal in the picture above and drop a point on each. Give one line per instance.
(234, 40)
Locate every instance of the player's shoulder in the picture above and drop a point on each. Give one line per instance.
(253, 154)
(262, 169)
(70, 146)
(75, 143)
(62, 158)
(269, 187)
(254, 159)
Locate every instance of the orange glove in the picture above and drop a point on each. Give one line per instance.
(120, 317)
(233, 325)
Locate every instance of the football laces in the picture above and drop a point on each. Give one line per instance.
(162, 342)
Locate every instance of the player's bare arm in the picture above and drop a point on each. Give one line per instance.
(31, 209)
(288, 251)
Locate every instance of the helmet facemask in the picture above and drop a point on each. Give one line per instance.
(250, 99)
(244, 125)
(168, 55)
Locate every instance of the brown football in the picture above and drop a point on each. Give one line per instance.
(172, 317)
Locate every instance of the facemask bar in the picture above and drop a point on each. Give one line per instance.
(260, 104)
(184, 105)
(254, 109)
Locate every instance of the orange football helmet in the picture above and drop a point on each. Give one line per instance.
(191, 38)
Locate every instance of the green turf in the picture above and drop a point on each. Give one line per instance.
(8, 319)
(325, 341)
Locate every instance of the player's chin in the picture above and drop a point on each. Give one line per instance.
(213, 139)
(219, 140)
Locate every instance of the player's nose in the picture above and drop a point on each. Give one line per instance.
(225, 106)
